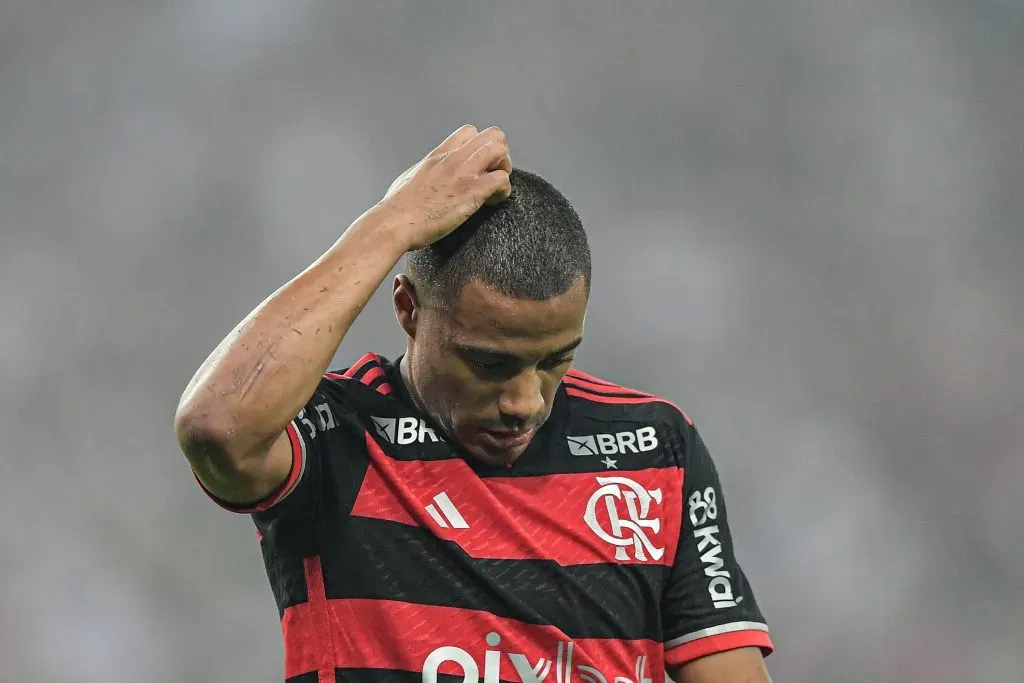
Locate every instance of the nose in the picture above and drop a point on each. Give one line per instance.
(521, 399)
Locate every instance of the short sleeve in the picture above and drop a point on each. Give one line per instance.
(315, 431)
(708, 605)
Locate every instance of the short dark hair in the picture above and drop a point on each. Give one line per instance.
(530, 246)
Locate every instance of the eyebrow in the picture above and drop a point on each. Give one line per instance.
(485, 351)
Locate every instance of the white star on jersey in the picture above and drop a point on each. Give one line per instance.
(609, 463)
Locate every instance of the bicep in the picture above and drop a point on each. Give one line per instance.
(743, 665)
(267, 478)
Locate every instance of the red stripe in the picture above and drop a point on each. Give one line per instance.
(602, 388)
(538, 517)
(278, 494)
(367, 358)
(371, 374)
(721, 643)
(599, 398)
(293, 474)
(315, 637)
(368, 377)
(383, 388)
(579, 374)
(386, 634)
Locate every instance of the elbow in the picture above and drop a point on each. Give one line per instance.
(208, 440)
(219, 443)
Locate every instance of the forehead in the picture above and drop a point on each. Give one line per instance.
(484, 316)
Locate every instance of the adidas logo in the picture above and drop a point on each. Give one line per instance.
(637, 441)
(403, 431)
(445, 513)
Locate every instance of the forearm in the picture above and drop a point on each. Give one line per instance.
(264, 371)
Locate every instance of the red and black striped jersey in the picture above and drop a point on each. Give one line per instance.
(603, 555)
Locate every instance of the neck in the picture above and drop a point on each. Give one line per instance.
(417, 400)
(410, 387)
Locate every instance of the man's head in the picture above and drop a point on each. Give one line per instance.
(493, 313)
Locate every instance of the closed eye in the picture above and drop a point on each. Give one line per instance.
(482, 364)
(491, 367)
(552, 363)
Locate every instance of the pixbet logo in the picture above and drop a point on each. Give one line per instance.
(704, 509)
(451, 658)
(637, 441)
(627, 505)
(403, 431)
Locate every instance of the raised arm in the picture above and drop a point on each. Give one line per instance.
(231, 419)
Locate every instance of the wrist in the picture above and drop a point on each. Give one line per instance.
(388, 227)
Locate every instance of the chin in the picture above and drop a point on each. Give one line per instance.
(496, 458)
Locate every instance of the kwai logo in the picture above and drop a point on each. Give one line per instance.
(403, 431)
(637, 441)
(704, 509)
(451, 658)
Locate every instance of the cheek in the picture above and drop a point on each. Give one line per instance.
(551, 384)
(550, 391)
(449, 387)
(468, 396)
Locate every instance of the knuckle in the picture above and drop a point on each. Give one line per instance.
(445, 162)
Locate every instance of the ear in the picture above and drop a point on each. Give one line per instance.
(407, 305)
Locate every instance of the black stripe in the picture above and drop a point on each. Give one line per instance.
(376, 384)
(611, 391)
(367, 365)
(410, 564)
(287, 580)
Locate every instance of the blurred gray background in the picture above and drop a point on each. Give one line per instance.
(807, 226)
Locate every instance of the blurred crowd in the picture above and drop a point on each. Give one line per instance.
(808, 231)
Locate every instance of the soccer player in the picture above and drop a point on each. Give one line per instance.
(474, 511)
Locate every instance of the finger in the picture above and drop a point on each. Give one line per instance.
(468, 148)
(491, 156)
(499, 186)
(505, 163)
(455, 140)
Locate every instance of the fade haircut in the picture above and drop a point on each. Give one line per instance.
(530, 246)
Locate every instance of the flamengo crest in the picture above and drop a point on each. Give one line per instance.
(628, 507)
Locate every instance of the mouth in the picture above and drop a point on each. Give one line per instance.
(506, 440)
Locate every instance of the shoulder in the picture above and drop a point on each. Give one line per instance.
(599, 398)
(625, 418)
(339, 409)
(367, 376)
(368, 383)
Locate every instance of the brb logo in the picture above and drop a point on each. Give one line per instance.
(638, 441)
(451, 658)
(619, 512)
(403, 431)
